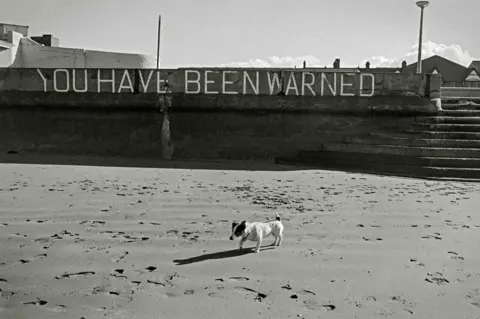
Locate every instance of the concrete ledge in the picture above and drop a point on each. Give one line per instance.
(222, 103)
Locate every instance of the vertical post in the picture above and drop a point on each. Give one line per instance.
(158, 40)
(419, 62)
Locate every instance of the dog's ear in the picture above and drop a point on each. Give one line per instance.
(234, 224)
(243, 223)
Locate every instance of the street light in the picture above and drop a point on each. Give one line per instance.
(158, 40)
(421, 4)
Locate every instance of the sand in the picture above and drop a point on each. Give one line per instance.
(106, 242)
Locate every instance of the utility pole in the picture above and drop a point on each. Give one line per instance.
(158, 40)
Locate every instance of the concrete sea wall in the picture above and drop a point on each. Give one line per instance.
(213, 113)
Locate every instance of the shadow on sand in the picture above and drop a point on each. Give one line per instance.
(116, 161)
(219, 255)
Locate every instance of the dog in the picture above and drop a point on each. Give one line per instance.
(257, 231)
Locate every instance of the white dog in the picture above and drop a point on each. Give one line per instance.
(256, 231)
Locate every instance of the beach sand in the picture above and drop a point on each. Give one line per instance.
(110, 242)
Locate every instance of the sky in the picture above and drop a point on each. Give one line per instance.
(258, 32)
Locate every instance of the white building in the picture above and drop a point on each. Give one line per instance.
(18, 50)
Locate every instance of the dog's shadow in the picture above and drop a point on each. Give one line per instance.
(219, 255)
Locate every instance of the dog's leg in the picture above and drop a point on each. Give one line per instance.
(280, 236)
(259, 243)
(275, 241)
(242, 241)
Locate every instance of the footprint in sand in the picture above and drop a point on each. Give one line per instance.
(311, 304)
(407, 306)
(436, 278)
(189, 292)
(287, 287)
(42, 303)
(118, 273)
(57, 309)
(453, 255)
(474, 297)
(239, 279)
(258, 296)
(42, 240)
(306, 292)
(432, 236)
(38, 302)
(34, 258)
(416, 262)
(155, 282)
(77, 274)
(171, 294)
(119, 257)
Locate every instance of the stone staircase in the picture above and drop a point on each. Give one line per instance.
(444, 147)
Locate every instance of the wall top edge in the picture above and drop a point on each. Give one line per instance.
(318, 70)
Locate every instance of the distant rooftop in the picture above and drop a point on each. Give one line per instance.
(14, 25)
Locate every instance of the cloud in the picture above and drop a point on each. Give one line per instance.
(452, 52)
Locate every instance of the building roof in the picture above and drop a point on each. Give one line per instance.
(475, 65)
(381, 70)
(450, 71)
(473, 74)
(15, 25)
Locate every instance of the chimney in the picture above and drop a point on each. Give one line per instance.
(404, 65)
(336, 64)
(304, 64)
(367, 65)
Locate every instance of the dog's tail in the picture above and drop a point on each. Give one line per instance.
(277, 217)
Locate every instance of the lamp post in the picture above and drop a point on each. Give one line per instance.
(421, 4)
(158, 40)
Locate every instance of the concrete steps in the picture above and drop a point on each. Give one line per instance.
(415, 142)
(442, 147)
(333, 157)
(406, 170)
(429, 135)
(447, 120)
(447, 127)
(460, 107)
(403, 150)
(460, 113)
